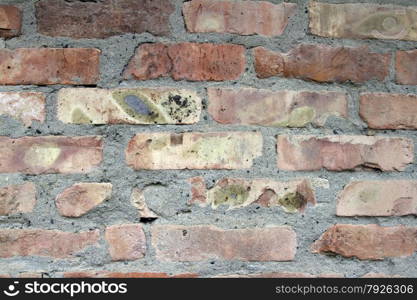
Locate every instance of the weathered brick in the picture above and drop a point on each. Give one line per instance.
(18, 198)
(137, 198)
(338, 153)
(126, 241)
(389, 111)
(371, 242)
(104, 18)
(47, 66)
(291, 196)
(194, 150)
(241, 17)
(10, 21)
(23, 106)
(284, 108)
(131, 106)
(378, 198)
(80, 198)
(323, 63)
(109, 274)
(406, 67)
(199, 243)
(363, 21)
(50, 154)
(189, 61)
(40, 242)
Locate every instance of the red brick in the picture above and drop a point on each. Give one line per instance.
(109, 274)
(378, 198)
(389, 111)
(200, 243)
(126, 241)
(104, 18)
(18, 198)
(47, 66)
(241, 17)
(49, 243)
(338, 153)
(10, 21)
(370, 242)
(187, 61)
(406, 67)
(323, 63)
(193, 150)
(50, 154)
(284, 108)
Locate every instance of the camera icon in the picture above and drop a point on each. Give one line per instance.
(11, 290)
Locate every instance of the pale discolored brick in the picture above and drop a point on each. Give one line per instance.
(128, 106)
(200, 243)
(80, 198)
(187, 61)
(378, 198)
(10, 21)
(48, 243)
(343, 152)
(50, 154)
(248, 106)
(137, 198)
(18, 198)
(367, 242)
(126, 241)
(26, 107)
(240, 17)
(406, 67)
(194, 150)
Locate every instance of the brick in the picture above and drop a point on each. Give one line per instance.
(128, 106)
(200, 243)
(46, 66)
(406, 67)
(102, 19)
(18, 198)
(26, 107)
(126, 241)
(248, 106)
(363, 21)
(240, 17)
(378, 198)
(109, 274)
(10, 21)
(323, 63)
(389, 111)
(367, 242)
(138, 200)
(80, 198)
(291, 196)
(343, 152)
(193, 150)
(187, 61)
(48, 243)
(50, 154)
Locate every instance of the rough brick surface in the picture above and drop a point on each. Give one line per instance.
(49, 243)
(338, 153)
(284, 108)
(187, 61)
(240, 17)
(128, 106)
(406, 67)
(18, 198)
(23, 106)
(363, 20)
(200, 243)
(126, 241)
(80, 198)
(50, 154)
(101, 19)
(378, 198)
(323, 63)
(389, 111)
(10, 21)
(372, 242)
(194, 150)
(137, 199)
(46, 66)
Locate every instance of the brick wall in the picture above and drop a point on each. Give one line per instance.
(208, 138)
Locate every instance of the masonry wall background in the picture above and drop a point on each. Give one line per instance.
(167, 193)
